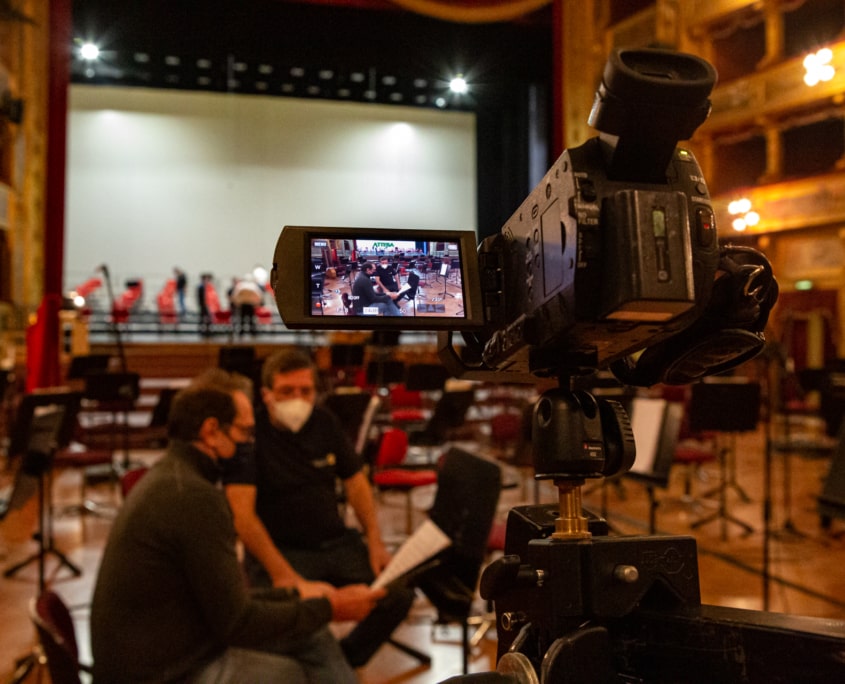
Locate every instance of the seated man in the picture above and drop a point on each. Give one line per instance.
(170, 603)
(364, 294)
(286, 505)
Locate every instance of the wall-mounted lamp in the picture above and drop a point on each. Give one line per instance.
(745, 216)
(818, 67)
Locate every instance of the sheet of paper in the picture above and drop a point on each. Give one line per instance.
(404, 288)
(427, 541)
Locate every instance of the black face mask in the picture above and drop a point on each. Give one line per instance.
(244, 450)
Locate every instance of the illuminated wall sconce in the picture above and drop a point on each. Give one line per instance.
(818, 67)
(745, 216)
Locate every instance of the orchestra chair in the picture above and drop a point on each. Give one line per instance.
(57, 635)
(88, 462)
(389, 475)
(130, 478)
(406, 406)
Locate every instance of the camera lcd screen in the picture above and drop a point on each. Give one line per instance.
(372, 278)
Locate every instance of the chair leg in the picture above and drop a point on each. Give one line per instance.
(465, 645)
(424, 658)
(409, 514)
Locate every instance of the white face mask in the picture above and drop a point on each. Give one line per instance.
(292, 413)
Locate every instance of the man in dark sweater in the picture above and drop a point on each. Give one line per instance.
(170, 603)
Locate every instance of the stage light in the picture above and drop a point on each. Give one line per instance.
(89, 51)
(459, 85)
(803, 285)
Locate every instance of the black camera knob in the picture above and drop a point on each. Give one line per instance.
(507, 573)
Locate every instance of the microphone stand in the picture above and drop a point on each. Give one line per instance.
(115, 328)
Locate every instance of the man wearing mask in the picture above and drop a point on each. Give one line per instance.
(286, 506)
(364, 295)
(170, 603)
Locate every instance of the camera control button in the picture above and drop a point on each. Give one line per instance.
(587, 190)
(705, 229)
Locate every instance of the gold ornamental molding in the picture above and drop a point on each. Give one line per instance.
(774, 93)
(804, 203)
(470, 11)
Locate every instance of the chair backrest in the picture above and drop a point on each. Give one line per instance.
(350, 409)
(449, 413)
(392, 449)
(130, 478)
(57, 635)
(467, 520)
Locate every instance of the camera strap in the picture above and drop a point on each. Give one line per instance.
(728, 333)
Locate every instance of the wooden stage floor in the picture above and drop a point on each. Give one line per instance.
(805, 560)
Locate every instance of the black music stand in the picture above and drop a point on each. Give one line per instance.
(384, 373)
(725, 406)
(426, 377)
(45, 423)
(115, 393)
(444, 271)
(83, 365)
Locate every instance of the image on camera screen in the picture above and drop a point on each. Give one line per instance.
(386, 277)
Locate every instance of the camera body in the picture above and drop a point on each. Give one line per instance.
(592, 268)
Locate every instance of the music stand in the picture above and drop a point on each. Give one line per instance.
(726, 406)
(444, 271)
(384, 373)
(44, 424)
(80, 366)
(449, 413)
(426, 377)
(656, 424)
(115, 393)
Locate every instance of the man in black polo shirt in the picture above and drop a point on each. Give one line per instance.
(286, 505)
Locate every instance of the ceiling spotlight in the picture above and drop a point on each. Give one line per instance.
(89, 51)
(459, 85)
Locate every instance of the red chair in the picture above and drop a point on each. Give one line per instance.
(130, 478)
(694, 450)
(390, 475)
(57, 635)
(406, 406)
(166, 301)
(219, 315)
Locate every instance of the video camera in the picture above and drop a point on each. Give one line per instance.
(614, 254)
(612, 262)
